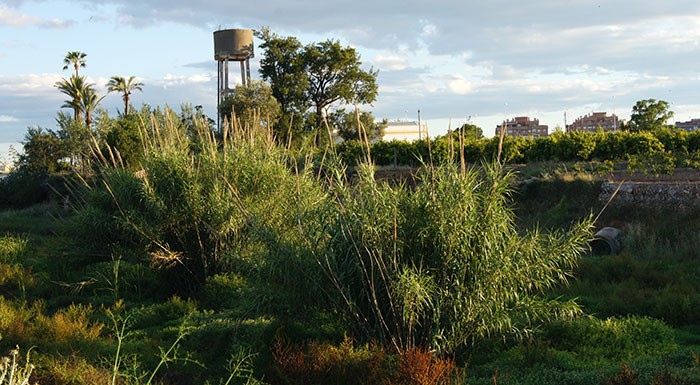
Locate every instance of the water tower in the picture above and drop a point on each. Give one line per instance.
(232, 45)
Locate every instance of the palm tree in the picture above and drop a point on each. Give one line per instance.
(74, 87)
(124, 86)
(75, 59)
(83, 98)
(89, 102)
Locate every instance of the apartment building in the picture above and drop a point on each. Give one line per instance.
(691, 125)
(523, 126)
(593, 121)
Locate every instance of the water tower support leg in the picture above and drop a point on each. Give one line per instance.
(247, 70)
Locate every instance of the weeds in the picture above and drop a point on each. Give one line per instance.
(626, 376)
(11, 373)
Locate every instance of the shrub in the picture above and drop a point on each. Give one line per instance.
(71, 370)
(626, 376)
(319, 363)
(441, 265)
(420, 367)
(612, 339)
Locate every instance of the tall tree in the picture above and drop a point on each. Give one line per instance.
(649, 115)
(83, 98)
(75, 59)
(335, 75)
(282, 67)
(125, 87)
(90, 100)
(73, 87)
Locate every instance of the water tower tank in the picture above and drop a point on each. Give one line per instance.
(233, 44)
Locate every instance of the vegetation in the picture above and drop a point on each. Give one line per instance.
(125, 87)
(650, 115)
(170, 254)
(318, 76)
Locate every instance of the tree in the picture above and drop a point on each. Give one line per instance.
(76, 59)
(649, 115)
(471, 131)
(251, 104)
(74, 137)
(122, 135)
(73, 87)
(125, 87)
(89, 102)
(316, 75)
(83, 98)
(42, 152)
(283, 68)
(346, 124)
(335, 75)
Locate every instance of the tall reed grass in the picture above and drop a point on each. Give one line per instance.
(440, 264)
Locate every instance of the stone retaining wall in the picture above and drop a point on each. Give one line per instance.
(652, 193)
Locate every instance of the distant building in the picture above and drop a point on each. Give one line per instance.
(523, 126)
(592, 122)
(691, 125)
(408, 131)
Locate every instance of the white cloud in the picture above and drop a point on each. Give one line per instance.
(391, 63)
(460, 85)
(57, 24)
(12, 18)
(29, 84)
(170, 80)
(428, 29)
(7, 119)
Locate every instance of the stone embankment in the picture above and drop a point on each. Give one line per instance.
(681, 189)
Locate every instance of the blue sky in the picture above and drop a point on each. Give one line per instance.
(484, 59)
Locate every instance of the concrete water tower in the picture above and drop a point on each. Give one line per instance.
(232, 45)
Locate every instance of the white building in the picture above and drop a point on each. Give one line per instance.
(408, 131)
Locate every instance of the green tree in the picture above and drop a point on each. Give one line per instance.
(75, 59)
(42, 152)
(346, 124)
(74, 137)
(125, 87)
(83, 97)
(89, 103)
(471, 131)
(251, 104)
(73, 87)
(122, 135)
(283, 68)
(335, 75)
(649, 115)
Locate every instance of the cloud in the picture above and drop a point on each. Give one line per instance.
(29, 85)
(57, 24)
(12, 18)
(459, 85)
(170, 80)
(391, 63)
(7, 119)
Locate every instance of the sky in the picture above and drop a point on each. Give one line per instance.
(480, 61)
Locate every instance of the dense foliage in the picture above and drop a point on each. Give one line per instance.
(439, 266)
(656, 151)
